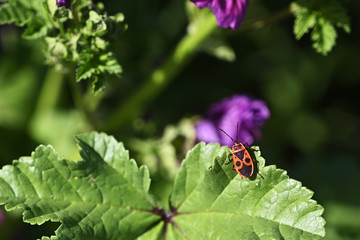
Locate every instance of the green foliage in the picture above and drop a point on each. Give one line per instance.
(267, 60)
(162, 155)
(220, 203)
(95, 64)
(30, 14)
(79, 37)
(14, 13)
(99, 197)
(322, 17)
(105, 196)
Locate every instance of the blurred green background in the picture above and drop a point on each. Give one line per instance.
(313, 132)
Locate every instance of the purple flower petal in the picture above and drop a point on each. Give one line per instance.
(63, 3)
(207, 131)
(228, 13)
(250, 113)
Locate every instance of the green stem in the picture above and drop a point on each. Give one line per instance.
(50, 91)
(161, 77)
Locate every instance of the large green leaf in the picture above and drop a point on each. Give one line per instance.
(105, 196)
(218, 203)
(99, 197)
(192, 170)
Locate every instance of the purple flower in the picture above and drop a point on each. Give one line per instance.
(63, 3)
(250, 113)
(228, 13)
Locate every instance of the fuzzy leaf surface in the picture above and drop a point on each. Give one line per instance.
(217, 203)
(99, 197)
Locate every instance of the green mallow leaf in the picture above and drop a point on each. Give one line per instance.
(217, 203)
(321, 17)
(105, 196)
(100, 197)
(193, 169)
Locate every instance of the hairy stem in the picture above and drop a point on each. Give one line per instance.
(163, 76)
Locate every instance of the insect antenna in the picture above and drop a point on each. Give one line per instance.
(227, 134)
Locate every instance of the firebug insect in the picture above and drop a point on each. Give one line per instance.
(243, 163)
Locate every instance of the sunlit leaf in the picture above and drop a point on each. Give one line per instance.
(223, 205)
(99, 197)
(105, 196)
(321, 17)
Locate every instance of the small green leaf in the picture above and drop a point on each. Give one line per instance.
(322, 16)
(223, 205)
(56, 48)
(324, 36)
(14, 13)
(95, 25)
(94, 66)
(35, 31)
(22, 13)
(51, 6)
(63, 14)
(305, 20)
(99, 197)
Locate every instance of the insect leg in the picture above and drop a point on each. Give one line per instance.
(257, 169)
(230, 160)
